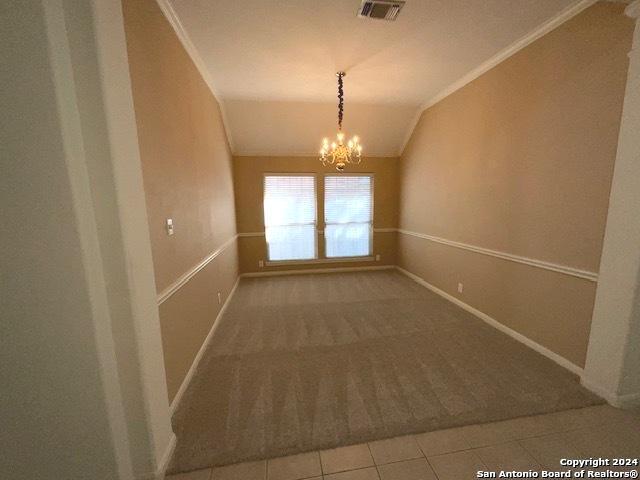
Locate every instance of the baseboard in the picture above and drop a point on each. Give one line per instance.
(272, 273)
(630, 400)
(166, 458)
(161, 471)
(563, 362)
(619, 401)
(611, 398)
(192, 370)
(194, 366)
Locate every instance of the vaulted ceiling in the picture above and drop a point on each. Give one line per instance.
(273, 63)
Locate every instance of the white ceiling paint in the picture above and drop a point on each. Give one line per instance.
(263, 127)
(273, 63)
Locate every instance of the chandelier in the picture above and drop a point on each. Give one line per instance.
(338, 153)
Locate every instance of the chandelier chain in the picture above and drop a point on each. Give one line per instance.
(342, 151)
(340, 100)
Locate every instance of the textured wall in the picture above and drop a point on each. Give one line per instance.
(520, 161)
(187, 169)
(248, 176)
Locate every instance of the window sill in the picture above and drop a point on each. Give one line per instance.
(316, 261)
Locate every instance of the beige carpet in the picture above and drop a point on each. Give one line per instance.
(307, 362)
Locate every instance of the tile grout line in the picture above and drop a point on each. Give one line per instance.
(427, 460)
(431, 466)
(517, 440)
(375, 464)
(470, 449)
(321, 469)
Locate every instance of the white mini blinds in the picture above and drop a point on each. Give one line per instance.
(348, 212)
(290, 216)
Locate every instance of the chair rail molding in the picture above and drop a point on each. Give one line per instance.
(533, 262)
(320, 232)
(175, 286)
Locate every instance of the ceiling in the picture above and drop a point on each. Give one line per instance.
(273, 63)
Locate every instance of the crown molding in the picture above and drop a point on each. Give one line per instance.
(633, 10)
(551, 24)
(173, 19)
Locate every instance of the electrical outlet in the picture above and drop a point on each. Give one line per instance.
(169, 226)
(460, 287)
(219, 298)
(378, 257)
(261, 263)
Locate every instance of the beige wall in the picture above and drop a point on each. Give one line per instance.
(187, 169)
(248, 178)
(521, 161)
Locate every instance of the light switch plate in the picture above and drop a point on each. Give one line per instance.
(169, 226)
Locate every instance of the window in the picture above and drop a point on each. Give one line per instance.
(348, 211)
(290, 216)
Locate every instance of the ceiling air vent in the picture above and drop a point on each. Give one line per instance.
(380, 9)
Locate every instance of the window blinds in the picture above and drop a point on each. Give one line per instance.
(290, 216)
(348, 210)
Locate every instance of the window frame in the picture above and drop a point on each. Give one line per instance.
(369, 255)
(316, 257)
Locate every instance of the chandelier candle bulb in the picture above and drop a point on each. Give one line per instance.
(341, 155)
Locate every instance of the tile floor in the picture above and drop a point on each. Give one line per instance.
(528, 443)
